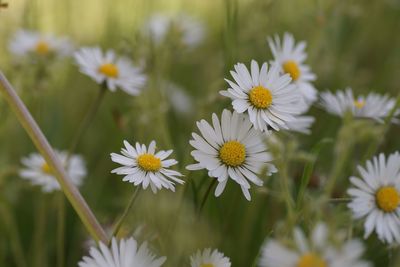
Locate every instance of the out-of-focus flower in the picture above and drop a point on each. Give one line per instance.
(376, 196)
(38, 172)
(144, 166)
(231, 148)
(301, 124)
(268, 97)
(115, 72)
(209, 258)
(315, 251)
(125, 253)
(180, 101)
(290, 58)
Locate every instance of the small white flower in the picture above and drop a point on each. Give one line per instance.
(144, 166)
(268, 97)
(33, 43)
(115, 72)
(290, 58)
(179, 99)
(191, 29)
(125, 253)
(302, 124)
(376, 197)
(373, 106)
(38, 172)
(157, 27)
(209, 258)
(313, 252)
(232, 148)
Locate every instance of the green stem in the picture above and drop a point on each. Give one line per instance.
(284, 181)
(203, 202)
(71, 192)
(39, 244)
(61, 230)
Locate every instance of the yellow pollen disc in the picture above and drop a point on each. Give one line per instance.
(232, 153)
(109, 70)
(260, 97)
(46, 168)
(207, 265)
(359, 104)
(387, 198)
(311, 260)
(149, 162)
(42, 48)
(292, 68)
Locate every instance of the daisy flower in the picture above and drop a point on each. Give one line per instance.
(157, 27)
(267, 96)
(125, 253)
(376, 197)
(115, 72)
(38, 172)
(232, 148)
(191, 30)
(301, 124)
(290, 58)
(209, 258)
(26, 43)
(313, 252)
(372, 106)
(142, 165)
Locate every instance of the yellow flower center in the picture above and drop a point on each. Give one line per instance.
(207, 265)
(292, 69)
(311, 260)
(359, 104)
(42, 48)
(149, 162)
(260, 97)
(387, 198)
(109, 69)
(46, 168)
(232, 153)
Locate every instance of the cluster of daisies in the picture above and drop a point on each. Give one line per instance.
(266, 98)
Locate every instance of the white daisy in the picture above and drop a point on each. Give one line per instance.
(125, 253)
(301, 124)
(144, 166)
(290, 58)
(109, 69)
(157, 27)
(373, 106)
(376, 197)
(38, 172)
(232, 148)
(180, 101)
(267, 96)
(33, 43)
(209, 258)
(315, 252)
(191, 29)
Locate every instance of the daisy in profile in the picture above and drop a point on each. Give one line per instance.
(209, 258)
(231, 148)
(376, 197)
(106, 68)
(290, 58)
(268, 97)
(315, 251)
(142, 165)
(38, 172)
(302, 124)
(123, 253)
(26, 43)
(373, 106)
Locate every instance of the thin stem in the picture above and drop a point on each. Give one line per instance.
(71, 192)
(284, 180)
(118, 224)
(61, 230)
(203, 202)
(39, 244)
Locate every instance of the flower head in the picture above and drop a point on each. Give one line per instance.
(209, 258)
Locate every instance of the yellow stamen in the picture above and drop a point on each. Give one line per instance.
(46, 168)
(292, 68)
(207, 265)
(232, 153)
(260, 97)
(387, 198)
(109, 69)
(42, 48)
(149, 162)
(311, 260)
(359, 104)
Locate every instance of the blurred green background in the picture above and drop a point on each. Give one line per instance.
(350, 43)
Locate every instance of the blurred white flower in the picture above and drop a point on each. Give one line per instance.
(115, 72)
(191, 29)
(232, 148)
(301, 124)
(180, 101)
(290, 58)
(313, 252)
(125, 253)
(144, 166)
(38, 172)
(373, 106)
(268, 97)
(376, 196)
(26, 43)
(209, 258)
(157, 27)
